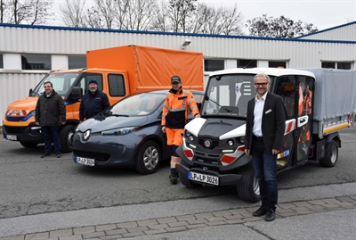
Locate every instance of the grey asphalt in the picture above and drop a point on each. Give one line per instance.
(338, 223)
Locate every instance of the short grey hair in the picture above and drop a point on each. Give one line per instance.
(262, 75)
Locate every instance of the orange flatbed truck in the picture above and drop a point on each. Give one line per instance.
(119, 71)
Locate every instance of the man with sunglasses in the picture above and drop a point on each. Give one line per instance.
(265, 125)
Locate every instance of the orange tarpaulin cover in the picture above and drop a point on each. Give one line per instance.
(150, 68)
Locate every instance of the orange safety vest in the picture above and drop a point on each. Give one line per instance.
(175, 114)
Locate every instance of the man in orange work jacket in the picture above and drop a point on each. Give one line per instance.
(174, 118)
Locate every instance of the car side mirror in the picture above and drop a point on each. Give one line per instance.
(76, 93)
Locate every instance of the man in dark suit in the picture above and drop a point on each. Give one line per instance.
(265, 127)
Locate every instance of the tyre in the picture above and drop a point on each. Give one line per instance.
(248, 188)
(28, 144)
(185, 181)
(331, 155)
(148, 158)
(66, 136)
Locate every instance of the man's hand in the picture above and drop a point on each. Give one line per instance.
(275, 151)
(197, 115)
(37, 123)
(63, 123)
(247, 151)
(164, 129)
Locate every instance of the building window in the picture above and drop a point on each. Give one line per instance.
(246, 63)
(77, 62)
(1, 61)
(336, 65)
(343, 65)
(213, 65)
(36, 62)
(116, 85)
(277, 64)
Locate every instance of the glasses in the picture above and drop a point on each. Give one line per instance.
(261, 84)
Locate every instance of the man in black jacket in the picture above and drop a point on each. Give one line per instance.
(50, 114)
(93, 102)
(265, 125)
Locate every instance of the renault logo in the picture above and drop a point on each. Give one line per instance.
(86, 134)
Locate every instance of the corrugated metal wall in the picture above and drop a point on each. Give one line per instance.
(346, 33)
(66, 41)
(15, 86)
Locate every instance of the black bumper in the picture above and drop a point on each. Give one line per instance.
(224, 179)
(24, 134)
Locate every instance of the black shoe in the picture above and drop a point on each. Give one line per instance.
(260, 212)
(45, 155)
(270, 215)
(58, 155)
(173, 178)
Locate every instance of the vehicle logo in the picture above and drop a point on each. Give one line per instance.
(207, 143)
(87, 134)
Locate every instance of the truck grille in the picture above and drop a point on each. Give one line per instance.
(14, 130)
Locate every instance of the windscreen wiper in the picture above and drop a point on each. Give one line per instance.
(226, 109)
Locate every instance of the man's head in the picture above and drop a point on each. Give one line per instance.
(262, 82)
(48, 87)
(176, 82)
(93, 85)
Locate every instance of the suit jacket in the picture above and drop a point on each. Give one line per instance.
(273, 123)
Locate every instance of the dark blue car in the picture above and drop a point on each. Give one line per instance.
(128, 134)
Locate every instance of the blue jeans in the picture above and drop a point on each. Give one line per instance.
(265, 167)
(51, 133)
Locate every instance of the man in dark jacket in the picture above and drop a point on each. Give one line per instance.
(93, 102)
(50, 114)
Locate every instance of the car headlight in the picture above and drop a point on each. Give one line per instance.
(118, 131)
(242, 139)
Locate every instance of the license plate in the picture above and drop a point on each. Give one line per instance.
(11, 137)
(203, 178)
(85, 161)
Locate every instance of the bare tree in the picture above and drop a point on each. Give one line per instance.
(180, 12)
(160, 21)
(73, 13)
(102, 14)
(136, 14)
(25, 11)
(231, 21)
(220, 20)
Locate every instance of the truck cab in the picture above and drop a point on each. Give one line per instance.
(213, 146)
(19, 120)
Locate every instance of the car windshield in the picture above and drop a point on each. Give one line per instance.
(140, 104)
(228, 95)
(61, 83)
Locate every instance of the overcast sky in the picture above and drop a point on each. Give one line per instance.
(322, 13)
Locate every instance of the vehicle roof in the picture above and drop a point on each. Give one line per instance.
(269, 71)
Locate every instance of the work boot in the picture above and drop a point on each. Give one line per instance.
(260, 212)
(173, 178)
(270, 216)
(45, 155)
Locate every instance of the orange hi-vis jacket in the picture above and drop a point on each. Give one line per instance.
(175, 108)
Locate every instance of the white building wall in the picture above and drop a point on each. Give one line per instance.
(15, 86)
(60, 42)
(345, 32)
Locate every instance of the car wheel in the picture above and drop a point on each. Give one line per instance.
(28, 144)
(148, 158)
(185, 181)
(331, 155)
(66, 136)
(248, 188)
